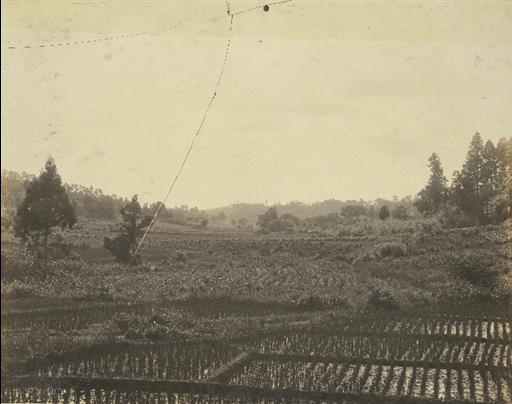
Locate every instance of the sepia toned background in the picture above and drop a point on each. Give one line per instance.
(401, 295)
(318, 100)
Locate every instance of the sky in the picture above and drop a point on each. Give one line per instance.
(318, 100)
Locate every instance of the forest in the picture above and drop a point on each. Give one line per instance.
(478, 194)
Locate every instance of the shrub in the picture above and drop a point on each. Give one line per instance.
(391, 249)
(454, 217)
(400, 212)
(460, 291)
(505, 287)
(17, 262)
(59, 250)
(119, 247)
(479, 268)
(382, 299)
(364, 226)
(431, 226)
(159, 325)
(17, 289)
(311, 302)
(124, 246)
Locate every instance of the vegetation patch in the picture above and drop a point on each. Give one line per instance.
(480, 268)
(390, 249)
(164, 324)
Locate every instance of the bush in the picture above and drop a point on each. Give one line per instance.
(430, 226)
(311, 302)
(17, 262)
(382, 299)
(17, 289)
(59, 251)
(364, 226)
(119, 247)
(454, 217)
(159, 325)
(460, 291)
(400, 212)
(479, 268)
(391, 249)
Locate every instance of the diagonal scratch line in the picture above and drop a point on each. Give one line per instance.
(192, 144)
(142, 33)
(203, 120)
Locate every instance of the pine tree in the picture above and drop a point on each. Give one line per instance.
(490, 182)
(123, 246)
(434, 196)
(503, 162)
(384, 213)
(468, 184)
(46, 205)
(501, 203)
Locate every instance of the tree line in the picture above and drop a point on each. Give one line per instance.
(91, 203)
(480, 193)
(272, 221)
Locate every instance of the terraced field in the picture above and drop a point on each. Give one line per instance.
(435, 357)
(74, 316)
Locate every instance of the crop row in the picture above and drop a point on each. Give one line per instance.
(191, 361)
(489, 329)
(390, 347)
(66, 319)
(435, 383)
(319, 380)
(87, 391)
(176, 362)
(75, 318)
(97, 396)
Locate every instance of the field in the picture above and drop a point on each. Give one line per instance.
(412, 316)
(414, 266)
(462, 355)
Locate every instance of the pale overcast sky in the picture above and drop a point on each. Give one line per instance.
(342, 99)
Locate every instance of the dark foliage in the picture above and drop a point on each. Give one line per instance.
(434, 196)
(479, 268)
(382, 299)
(124, 245)
(270, 221)
(480, 193)
(400, 212)
(46, 205)
(384, 213)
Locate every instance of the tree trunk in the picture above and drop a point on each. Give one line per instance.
(46, 247)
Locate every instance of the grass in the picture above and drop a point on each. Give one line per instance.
(237, 286)
(417, 268)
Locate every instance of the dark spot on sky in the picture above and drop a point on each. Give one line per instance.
(266, 7)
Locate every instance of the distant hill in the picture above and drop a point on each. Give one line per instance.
(250, 211)
(89, 202)
(93, 203)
